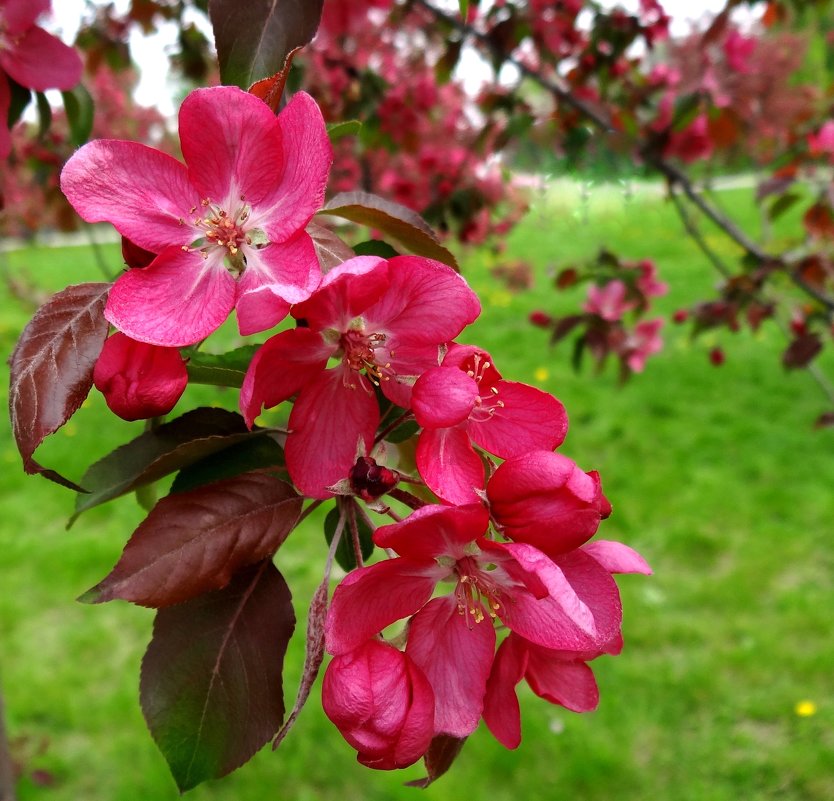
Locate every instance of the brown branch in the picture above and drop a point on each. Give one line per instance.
(7, 776)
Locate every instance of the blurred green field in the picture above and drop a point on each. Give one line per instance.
(715, 475)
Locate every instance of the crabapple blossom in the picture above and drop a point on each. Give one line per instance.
(138, 380)
(31, 57)
(384, 322)
(465, 401)
(608, 301)
(452, 636)
(228, 225)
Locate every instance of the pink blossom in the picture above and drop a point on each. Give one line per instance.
(382, 703)
(693, 143)
(647, 281)
(138, 380)
(608, 301)
(738, 50)
(822, 142)
(643, 342)
(228, 225)
(31, 57)
(546, 500)
(384, 321)
(558, 676)
(466, 401)
(451, 637)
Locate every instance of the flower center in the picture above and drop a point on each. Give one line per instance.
(226, 230)
(359, 353)
(476, 590)
(487, 402)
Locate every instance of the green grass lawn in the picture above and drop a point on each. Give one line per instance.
(715, 474)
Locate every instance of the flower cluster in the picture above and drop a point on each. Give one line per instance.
(499, 520)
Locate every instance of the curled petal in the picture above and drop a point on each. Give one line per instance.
(20, 15)
(371, 598)
(570, 684)
(434, 531)
(443, 397)
(41, 61)
(501, 711)
(617, 558)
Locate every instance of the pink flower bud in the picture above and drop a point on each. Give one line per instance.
(382, 703)
(540, 318)
(139, 380)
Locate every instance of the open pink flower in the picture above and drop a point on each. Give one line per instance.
(608, 301)
(31, 57)
(382, 703)
(138, 380)
(822, 142)
(451, 637)
(228, 225)
(384, 321)
(643, 342)
(466, 401)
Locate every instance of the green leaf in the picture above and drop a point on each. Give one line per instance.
(254, 38)
(336, 130)
(375, 247)
(221, 370)
(20, 98)
(464, 8)
(253, 454)
(160, 452)
(211, 686)
(80, 109)
(44, 114)
(345, 555)
(399, 222)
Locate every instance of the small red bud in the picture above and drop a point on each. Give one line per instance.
(540, 319)
(717, 357)
(680, 316)
(369, 481)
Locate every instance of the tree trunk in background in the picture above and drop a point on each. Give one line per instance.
(7, 780)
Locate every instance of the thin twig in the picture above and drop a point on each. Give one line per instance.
(98, 254)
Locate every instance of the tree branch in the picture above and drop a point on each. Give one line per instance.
(7, 777)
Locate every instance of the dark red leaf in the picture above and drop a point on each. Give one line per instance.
(825, 420)
(313, 659)
(194, 542)
(819, 221)
(211, 688)
(330, 249)
(166, 449)
(271, 89)
(52, 368)
(443, 751)
(399, 222)
(801, 351)
(255, 38)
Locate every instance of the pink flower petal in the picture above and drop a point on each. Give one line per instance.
(569, 684)
(334, 416)
(259, 309)
(232, 144)
(41, 61)
(344, 293)
(291, 269)
(427, 303)
(443, 397)
(456, 658)
(501, 711)
(448, 464)
(19, 15)
(143, 192)
(407, 364)
(299, 186)
(617, 558)
(372, 598)
(529, 420)
(280, 368)
(179, 299)
(434, 531)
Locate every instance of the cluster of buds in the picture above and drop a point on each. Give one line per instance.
(383, 397)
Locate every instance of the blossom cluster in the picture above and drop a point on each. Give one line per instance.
(499, 520)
